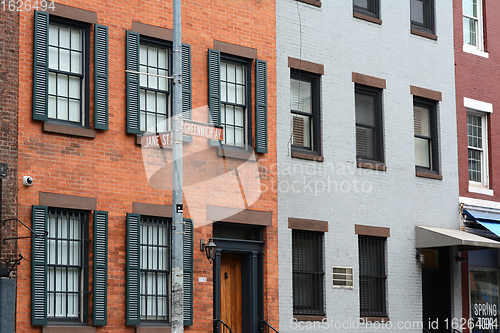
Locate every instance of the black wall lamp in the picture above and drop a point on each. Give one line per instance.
(209, 249)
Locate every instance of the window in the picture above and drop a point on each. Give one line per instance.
(60, 265)
(367, 7)
(66, 268)
(422, 15)
(369, 132)
(155, 269)
(473, 23)
(304, 105)
(67, 72)
(61, 75)
(425, 129)
(229, 96)
(234, 83)
(477, 148)
(372, 276)
(308, 273)
(155, 97)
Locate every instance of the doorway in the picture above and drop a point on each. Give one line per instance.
(230, 290)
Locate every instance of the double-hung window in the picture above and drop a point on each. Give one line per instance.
(304, 112)
(60, 266)
(472, 12)
(61, 78)
(155, 269)
(68, 71)
(372, 276)
(422, 15)
(369, 132)
(155, 109)
(367, 7)
(67, 272)
(477, 148)
(308, 273)
(234, 84)
(425, 133)
(230, 97)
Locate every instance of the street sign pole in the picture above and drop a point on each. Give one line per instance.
(177, 198)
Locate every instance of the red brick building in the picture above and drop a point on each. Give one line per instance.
(105, 203)
(478, 103)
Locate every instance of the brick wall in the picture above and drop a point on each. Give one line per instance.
(9, 55)
(110, 167)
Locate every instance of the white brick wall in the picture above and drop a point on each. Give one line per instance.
(399, 200)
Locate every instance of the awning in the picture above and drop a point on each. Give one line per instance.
(482, 216)
(429, 237)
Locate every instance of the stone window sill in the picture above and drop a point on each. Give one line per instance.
(306, 156)
(65, 329)
(367, 18)
(426, 174)
(246, 155)
(316, 3)
(68, 130)
(372, 166)
(374, 319)
(423, 34)
(308, 318)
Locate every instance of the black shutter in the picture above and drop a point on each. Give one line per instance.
(214, 85)
(100, 77)
(186, 82)
(39, 266)
(41, 66)
(133, 308)
(260, 106)
(100, 280)
(188, 272)
(132, 64)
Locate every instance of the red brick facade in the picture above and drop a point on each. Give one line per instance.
(9, 89)
(110, 166)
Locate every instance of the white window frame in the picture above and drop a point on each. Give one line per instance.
(482, 109)
(479, 48)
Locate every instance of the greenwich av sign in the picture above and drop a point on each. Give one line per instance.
(189, 128)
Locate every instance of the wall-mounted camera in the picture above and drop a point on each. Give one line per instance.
(27, 180)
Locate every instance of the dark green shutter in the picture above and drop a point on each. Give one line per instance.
(100, 280)
(133, 269)
(188, 272)
(39, 266)
(186, 82)
(260, 106)
(132, 64)
(214, 85)
(41, 66)
(100, 77)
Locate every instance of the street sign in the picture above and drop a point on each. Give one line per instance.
(189, 128)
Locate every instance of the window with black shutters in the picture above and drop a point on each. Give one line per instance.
(372, 276)
(308, 273)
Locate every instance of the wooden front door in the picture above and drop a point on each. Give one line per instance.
(230, 291)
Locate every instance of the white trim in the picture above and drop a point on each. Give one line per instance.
(479, 202)
(485, 175)
(478, 105)
(474, 50)
(480, 190)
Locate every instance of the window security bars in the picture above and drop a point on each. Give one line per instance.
(66, 287)
(155, 247)
(307, 267)
(372, 276)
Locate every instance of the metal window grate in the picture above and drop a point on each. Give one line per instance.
(342, 277)
(155, 268)
(307, 270)
(65, 270)
(372, 276)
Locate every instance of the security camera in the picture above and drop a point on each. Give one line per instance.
(27, 181)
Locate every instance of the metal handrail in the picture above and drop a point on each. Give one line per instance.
(225, 326)
(265, 323)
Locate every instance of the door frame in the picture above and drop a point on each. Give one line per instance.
(255, 250)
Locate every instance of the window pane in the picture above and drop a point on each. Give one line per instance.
(470, 31)
(422, 152)
(229, 135)
(240, 94)
(64, 61)
(76, 62)
(300, 96)
(74, 87)
(239, 74)
(74, 110)
(52, 107)
(53, 35)
(76, 39)
(143, 55)
(469, 8)
(231, 93)
(52, 83)
(152, 80)
(361, 3)
(152, 56)
(475, 165)
(151, 101)
(162, 82)
(64, 38)
(162, 58)
(151, 122)
(62, 108)
(161, 103)
(417, 11)
(365, 142)
(422, 125)
(53, 58)
(62, 85)
(238, 116)
(229, 119)
(301, 130)
(474, 131)
(162, 123)
(365, 109)
(231, 72)
(143, 78)
(238, 137)
(223, 91)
